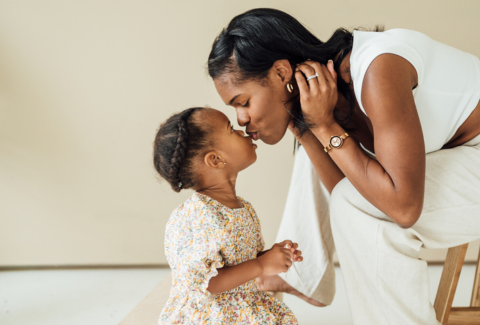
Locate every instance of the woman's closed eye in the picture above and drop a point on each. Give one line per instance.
(246, 104)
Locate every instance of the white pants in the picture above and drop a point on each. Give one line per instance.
(386, 283)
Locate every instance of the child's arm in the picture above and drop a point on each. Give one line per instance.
(276, 260)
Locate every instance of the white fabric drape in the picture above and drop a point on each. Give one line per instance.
(306, 221)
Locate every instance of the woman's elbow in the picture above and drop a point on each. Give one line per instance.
(407, 216)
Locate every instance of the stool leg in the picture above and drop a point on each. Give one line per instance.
(475, 302)
(448, 282)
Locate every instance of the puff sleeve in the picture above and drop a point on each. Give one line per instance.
(195, 248)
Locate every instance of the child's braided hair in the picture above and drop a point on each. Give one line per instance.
(179, 139)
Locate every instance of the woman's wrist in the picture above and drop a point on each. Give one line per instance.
(324, 124)
(325, 131)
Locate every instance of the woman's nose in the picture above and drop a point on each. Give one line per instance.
(242, 118)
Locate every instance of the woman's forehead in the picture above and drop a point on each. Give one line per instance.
(227, 89)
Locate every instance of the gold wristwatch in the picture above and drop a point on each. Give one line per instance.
(336, 142)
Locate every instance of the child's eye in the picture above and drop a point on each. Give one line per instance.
(231, 128)
(246, 104)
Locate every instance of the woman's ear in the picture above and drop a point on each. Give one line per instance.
(213, 160)
(283, 69)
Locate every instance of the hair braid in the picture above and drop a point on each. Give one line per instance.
(178, 141)
(181, 147)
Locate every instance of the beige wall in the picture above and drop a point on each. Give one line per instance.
(85, 84)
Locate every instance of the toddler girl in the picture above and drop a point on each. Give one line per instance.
(213, 241)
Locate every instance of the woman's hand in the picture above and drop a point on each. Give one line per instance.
(318, 96)
(279, 258)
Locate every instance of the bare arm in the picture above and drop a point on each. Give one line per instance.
(274, 261)
(395, 182)
(230, 277)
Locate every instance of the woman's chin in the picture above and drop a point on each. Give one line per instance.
(271, 140)
(274, 137)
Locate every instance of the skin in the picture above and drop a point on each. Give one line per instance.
(394, 182)
(218, 170)
(266, 119)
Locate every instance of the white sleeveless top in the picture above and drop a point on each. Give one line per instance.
(448, 79)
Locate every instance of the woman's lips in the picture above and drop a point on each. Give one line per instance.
(254, 135)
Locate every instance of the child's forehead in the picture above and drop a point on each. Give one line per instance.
(214, 117)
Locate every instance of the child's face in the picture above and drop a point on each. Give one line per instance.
(237, 150)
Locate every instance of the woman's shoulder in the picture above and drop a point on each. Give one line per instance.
(392, 35)
(369, 44)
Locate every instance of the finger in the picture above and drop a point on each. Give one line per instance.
(322, 71)
(288, 263)
(317, 67)
(332, 73)
(288, 253)
(308, 70)
(328, 77)
(285, 243)
(297, 253)
(301, 83)
(295, 246)
(299, 259)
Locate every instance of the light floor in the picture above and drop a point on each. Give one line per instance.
(104, 297)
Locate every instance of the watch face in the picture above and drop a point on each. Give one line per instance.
(336, 141)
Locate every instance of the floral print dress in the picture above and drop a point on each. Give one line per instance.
(202, 235)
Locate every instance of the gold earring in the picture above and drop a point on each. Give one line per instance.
(290, 88)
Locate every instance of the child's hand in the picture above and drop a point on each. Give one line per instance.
(297, 255)
(276, 260)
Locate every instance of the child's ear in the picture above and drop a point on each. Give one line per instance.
(213, 160)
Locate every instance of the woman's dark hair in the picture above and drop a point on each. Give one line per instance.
(178, 141)
(254, 40)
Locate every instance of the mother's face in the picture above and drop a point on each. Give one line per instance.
(260, 106)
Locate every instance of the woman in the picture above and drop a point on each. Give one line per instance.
(412, 102)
